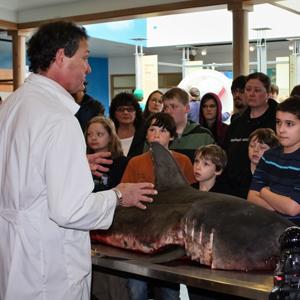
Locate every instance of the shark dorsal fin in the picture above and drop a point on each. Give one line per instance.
(167, 172)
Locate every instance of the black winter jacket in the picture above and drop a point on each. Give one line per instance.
(236, 144)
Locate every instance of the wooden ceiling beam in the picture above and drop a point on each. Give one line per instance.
(6, 25)
(142, 12)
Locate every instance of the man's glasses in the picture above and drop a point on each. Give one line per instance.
(129, 109)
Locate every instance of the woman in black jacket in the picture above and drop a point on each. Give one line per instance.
(261, 113)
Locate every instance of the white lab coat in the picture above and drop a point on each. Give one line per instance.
(46, 204)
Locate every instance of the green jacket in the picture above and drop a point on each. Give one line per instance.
(193, 136)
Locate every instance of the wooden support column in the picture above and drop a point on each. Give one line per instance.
(19, 50)
(240, 37)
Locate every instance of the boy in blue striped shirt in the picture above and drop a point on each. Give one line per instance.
(276, 181)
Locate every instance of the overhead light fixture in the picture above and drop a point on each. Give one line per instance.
(203, 52)
(251, 48)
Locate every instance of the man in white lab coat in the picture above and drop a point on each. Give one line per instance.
(46, 202)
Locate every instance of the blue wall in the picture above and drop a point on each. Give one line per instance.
(98, 81)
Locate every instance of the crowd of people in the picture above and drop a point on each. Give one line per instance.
(56, 186)
(251, 132)
(227, 159)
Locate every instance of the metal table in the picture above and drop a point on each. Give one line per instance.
(254, 285)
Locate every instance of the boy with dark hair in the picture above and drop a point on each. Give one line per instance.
(160, 127)
(209, 163)
(190, 136)
(276, 181)
(260, 140)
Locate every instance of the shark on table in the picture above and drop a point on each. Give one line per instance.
(217, 230)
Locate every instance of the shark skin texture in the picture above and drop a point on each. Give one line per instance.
(216, 230)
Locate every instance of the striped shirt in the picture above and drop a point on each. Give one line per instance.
(280, 172)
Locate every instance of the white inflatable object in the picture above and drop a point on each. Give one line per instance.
(210, 81)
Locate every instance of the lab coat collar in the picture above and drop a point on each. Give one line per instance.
(68, 101)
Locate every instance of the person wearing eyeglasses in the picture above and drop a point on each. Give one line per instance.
(210, 116)
(126, 113)
(260, 113)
